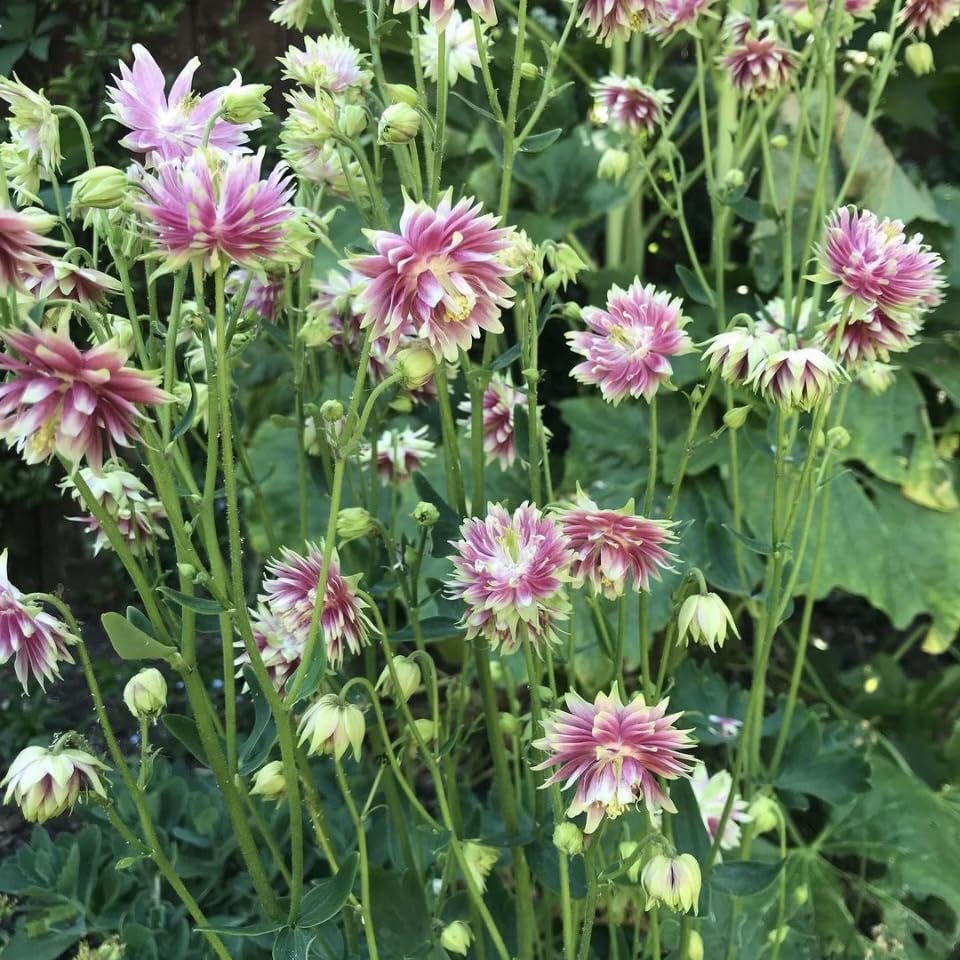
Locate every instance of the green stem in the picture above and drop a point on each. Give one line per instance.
(439, 130)
(455, 487)
(590, 906)
(510, 126)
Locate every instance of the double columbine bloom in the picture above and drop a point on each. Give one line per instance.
(45, 783)
(614, 753)
(757, 62)
(512, 572)
(711, 793)
(500, 399)
(20, 253)
(628, 104)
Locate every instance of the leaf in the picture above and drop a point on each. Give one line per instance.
(695, 290)
(325, 899)
(540, 141)
(293, 944)
(257, 746)
(740, 878)
(433, 628)
(47, 947)
(513, 353)
(247, 930)
(197, 604)
(399, 912)
(186, 421)
(832, 772)
(131, 643)
(185, 730)
(447, 527)
(544, 860)
(312, 673)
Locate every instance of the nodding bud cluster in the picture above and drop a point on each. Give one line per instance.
(146, 694)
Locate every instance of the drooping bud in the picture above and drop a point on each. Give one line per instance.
(353, 523)
(804, 20)
(415, 365)
(401, 93)
(456, 937)
(919, 58)
(399, 123)
(146, 694)
(736, 417)
(39, 220)
(102, 188)
(331, 410)
(566, 264)
(879, 42)
(352, 120)
(45, 783)
(613, 165)
(734, 179)
(426, 514)
(779, 141)
(408, 674)
(694, 946)
(480, 860)
(764, 813)
(529, 71)
(672, 881)
(704, 618)
(244, 102)
(509, 724)
(332, 725)
(269, 781)
(426, 728)
(568, 838)
(630, 855)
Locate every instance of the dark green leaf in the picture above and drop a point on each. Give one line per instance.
(740, 878)
(258, 745)
(131, 643)
(293, 944)
(544, 860)
(248, 930)
(540, 141)
(695, 290)
(185, 730)
(447, 528)
(196, 604)
(433, 628)
(325, 899)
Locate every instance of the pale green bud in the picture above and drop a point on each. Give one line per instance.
(311, 439)
(919, 57)
(415, 365)
(146, 694)
(779, 141)
(399, 123)
(408, 674)
(704, 618)
(876, 377)
(764, 814)
(629, 854)
(568, 838)
(879, 42)
(566, 263)
(353, 523)
(316, 331)
(613, 164)
(804, 21)
(456, 938)
(529, 71)
(736, 417)
(39, 219)
(331, 725)
(331, 411)
(352, 120)
(801, 894)
(694, 946)
(480, 860)
(269, 781)
(102, 188)
(838, 437)
(672, 881)
(401, 93)
(734, 179)
(426, 514)
(572, 311)
(509, 724)
(244, 102)
(426, 728)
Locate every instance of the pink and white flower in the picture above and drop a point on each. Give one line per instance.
(677, 15)
(218, 210)
(737, 353)
(441, 11)
(757, 62)
(329, 63)
(63, 280)
(614, 753)
(933, 15)
(500, 399)
(877, 266)
(290, 592)
(460, 42)
(45, 783)
(711, 794)
(610, 20)
(401, 453)
(20, 253)
(796, 379)
(281, 648)
(68, 401)
(168, 126)
(442, 273)
(869, 338)
(612, 546)
(512, 572)
(263, 293)
(292, 14)
(628, 345)
(36, 640)
(627, 103)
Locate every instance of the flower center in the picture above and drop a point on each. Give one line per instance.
(43, 443)
(634, 341)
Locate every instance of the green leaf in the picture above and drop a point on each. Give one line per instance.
(544, 860)
(399, 912)
(190, 414)
(50, 946)
(540, 141)
(293, 944)
(311, 672)
(196, 604)
(258, 745)
(325, 899)
(247, 930)
(447, 527)
(185, 730)
(695, 290)
(689, 833)
(740, 878)
(131, 643)
(432, 628)
(834, 772)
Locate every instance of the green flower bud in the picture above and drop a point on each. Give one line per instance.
(426, 514)
(568, 838)
(919, 57)
(838, 437)
(480, 860)
(529, 71)
(704, 618)
(804, 21)
(572, 311)
(734, 179)
(415, 365)
(426, 728)
(40, 221)
(672, 881)
(401, 93)
(146, 694)
(879, 42)
(764, 814)
(779, 141)
(456, 938)
(509, 725)
(736, 417)
(613, 165)
(628, 850)
(243, 102)
(102, 188)
(801, 894)
(331, 725)
(352, 120)
(409, 678)
(353, 523)
(269, 781)
(399, 123)
(331, 411)
(694, 946)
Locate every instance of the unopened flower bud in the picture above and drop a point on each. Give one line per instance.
(352, 120)
(704, 618)
(146, 694)
(876, 377)
(629, 854)
(426, 728)
(408, 678)
(838, 437)
(40, 220)
(243, 102)
(736, 417)
(353, 523)
(779, 141)
(572, 311)
(456, 937)
(426, 514)
(415, 365)
(672, 881)
(804, 21)
(311, 439)
(734, 179)
(399, 123)
(332, 725)
(102, 188)
(801, 894)
(568, 838)
(269, 781)
(566, 263)
(764, 814)
(879, 42)
(529, 71)
(509, 725)
(331, 411)
(919, 57)
(480, 860)
(401, 93)
(187, 570)
(694, 946)
(45, 783)
(613, 164)
(778, 935)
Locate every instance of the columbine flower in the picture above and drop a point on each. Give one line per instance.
(461, 46)
(19, 253)
(869, 338)
(36, 640)
(877, 266)
(400, 453)
(739, 352)
(614, 753)
(932, 15)
(45, 783)
(676, 15)
(136, 512)
(726, 727)
(511, 572)
(329, 63)
(269, 781)
(672, 881)
(442, 10)
(280, 646)
(711, 794)
(34, 127)
(262, 294)
(627, 103)
(214, 210)
(292, 14)
(331, 725)
(441, 272)
(500, 399)
(704, 618)
(59, 279)
(796, 378)
(628, 344)
(68, 401)
(291, 593)
(480, 860)
(168, 127)
(612, 545)
(610, 20)
(757, 62)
